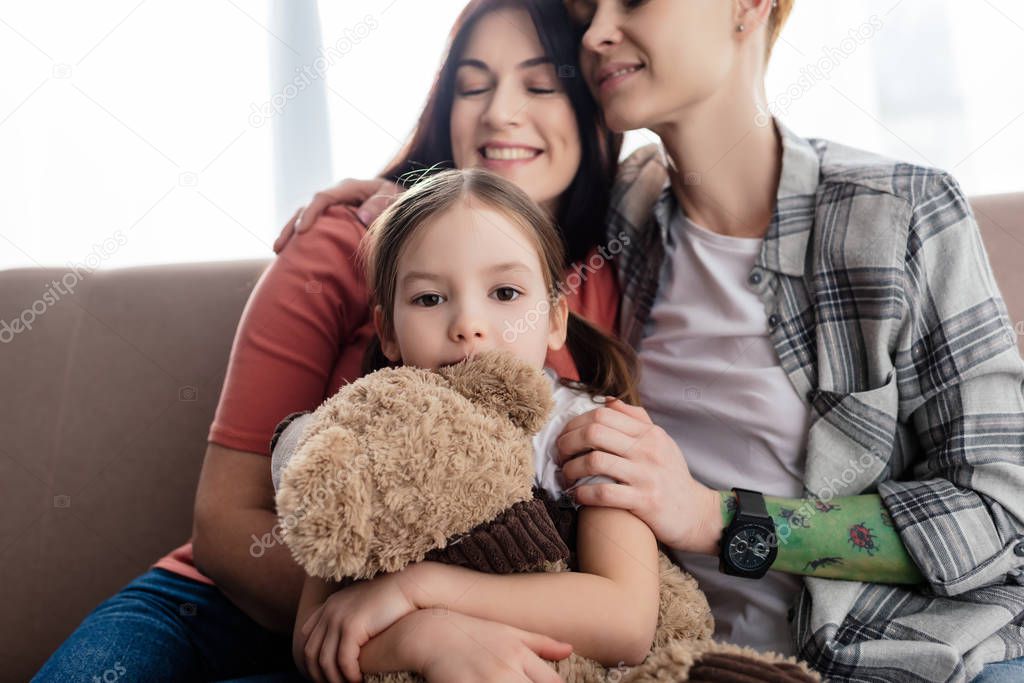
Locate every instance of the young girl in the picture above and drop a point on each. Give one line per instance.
(463, 263)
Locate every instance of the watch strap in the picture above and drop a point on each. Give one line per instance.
(750, 503)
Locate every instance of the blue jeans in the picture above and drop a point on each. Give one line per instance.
(1010, 671)
(167, 627)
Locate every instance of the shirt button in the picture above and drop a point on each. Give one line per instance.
(773, 320)
(1019, 549)
(755, 278)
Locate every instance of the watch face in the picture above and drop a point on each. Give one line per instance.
(749, 548)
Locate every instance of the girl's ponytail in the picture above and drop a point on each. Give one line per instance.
(374, 358)
(606, 365)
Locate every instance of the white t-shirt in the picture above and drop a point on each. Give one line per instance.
(710, 377)
(568, 403)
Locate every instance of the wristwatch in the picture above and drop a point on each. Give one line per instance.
(749, 544)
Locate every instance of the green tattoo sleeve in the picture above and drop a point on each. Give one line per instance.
(850, 538)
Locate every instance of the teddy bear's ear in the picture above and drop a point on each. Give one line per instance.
(324, 505)
(500, 381)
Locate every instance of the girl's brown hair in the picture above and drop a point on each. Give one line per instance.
(606, 365)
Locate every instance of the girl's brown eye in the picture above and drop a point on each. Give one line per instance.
(511, 293)
(428, 300)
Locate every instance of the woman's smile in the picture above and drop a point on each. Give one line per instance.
(611, 76)
(495, 155)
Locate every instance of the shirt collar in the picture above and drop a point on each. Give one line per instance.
(785, 243)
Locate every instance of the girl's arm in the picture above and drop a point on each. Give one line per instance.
(433, 643)
(849, 538)
(608, 610)
(394, 649)
(451, 646)
(315, 592)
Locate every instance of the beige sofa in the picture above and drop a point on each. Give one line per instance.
(106, 406)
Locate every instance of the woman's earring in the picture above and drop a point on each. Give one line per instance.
(740, 27)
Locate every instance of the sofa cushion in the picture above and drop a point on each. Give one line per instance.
(107, 401)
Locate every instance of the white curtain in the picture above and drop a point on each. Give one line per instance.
(298, 105)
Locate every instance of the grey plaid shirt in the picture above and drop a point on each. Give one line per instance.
(885, 315)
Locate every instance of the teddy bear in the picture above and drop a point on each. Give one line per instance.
(408, 464)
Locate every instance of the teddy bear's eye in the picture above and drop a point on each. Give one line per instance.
(428, 300)
(507, 293)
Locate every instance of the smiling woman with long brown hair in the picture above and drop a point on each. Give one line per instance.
(509, 98)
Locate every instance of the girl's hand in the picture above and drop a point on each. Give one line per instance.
(347, 620)
(299, 654)
(455, 648)
(620, 441)
(370, 196)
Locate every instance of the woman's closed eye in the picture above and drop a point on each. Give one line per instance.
(546, 84)
(473, 82)
(533, 90)
(470, 92)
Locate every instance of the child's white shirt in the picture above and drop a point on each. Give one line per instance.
(568, 403)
